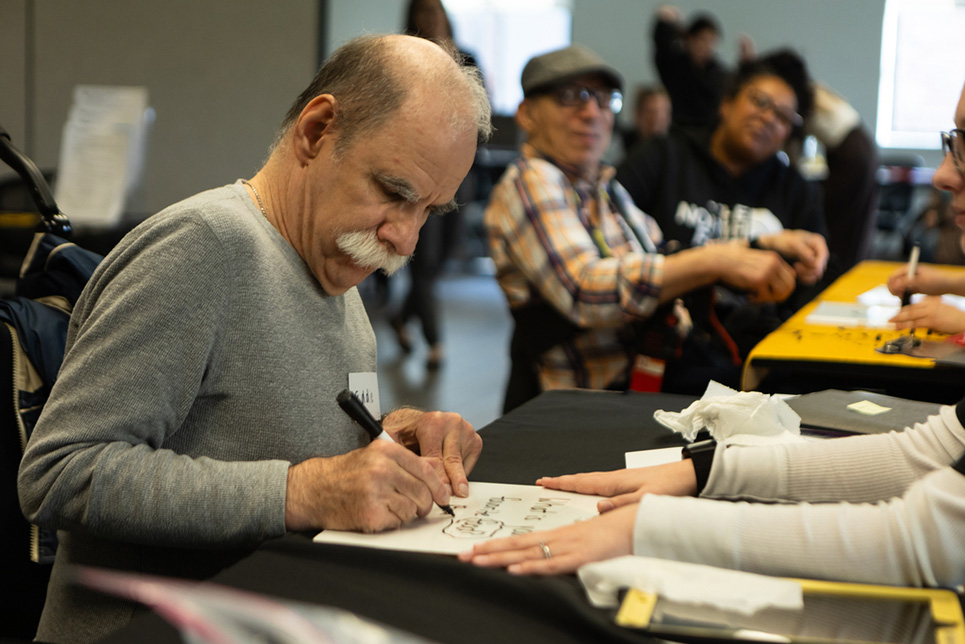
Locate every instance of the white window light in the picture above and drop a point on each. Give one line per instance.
(504, 34)
(922, 71)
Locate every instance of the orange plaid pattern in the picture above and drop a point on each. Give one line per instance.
(562, 240)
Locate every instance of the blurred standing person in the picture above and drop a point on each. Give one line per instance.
(686, 59)
(651, 116)
(851, 189)
(428, 19)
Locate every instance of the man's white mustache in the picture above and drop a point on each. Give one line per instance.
(366, 250)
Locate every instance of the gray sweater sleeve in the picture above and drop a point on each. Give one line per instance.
(875, 509)
(139, 350)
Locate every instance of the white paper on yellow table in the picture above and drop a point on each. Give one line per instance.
(873, 309)
(491, 510)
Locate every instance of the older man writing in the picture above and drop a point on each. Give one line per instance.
(195, 413)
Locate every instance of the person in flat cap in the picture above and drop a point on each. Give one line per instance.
(594, 299)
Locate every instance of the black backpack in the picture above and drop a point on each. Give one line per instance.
(33, 332)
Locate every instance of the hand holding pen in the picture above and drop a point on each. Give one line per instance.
(358, 412)
(931, 311)
(377, 488)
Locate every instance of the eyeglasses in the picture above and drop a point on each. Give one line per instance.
(788, 117)
(574, 95)
(953, 144)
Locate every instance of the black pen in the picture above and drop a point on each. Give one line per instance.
(912, 268)
(358, 412)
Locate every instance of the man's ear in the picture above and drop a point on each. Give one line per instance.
(314, 127)
(524, 116)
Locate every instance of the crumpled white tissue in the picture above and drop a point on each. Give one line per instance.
(735, 417)
(688, 583)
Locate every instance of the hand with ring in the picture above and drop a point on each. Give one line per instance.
(562, 550)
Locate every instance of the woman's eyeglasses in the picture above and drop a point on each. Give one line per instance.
(788, 117)
(953, 144)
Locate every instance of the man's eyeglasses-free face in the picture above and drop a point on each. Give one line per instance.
(788, 117)
(952, 143)
(574, 95)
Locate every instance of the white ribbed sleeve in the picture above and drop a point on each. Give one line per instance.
(875, 509)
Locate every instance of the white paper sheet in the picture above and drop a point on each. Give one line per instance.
(491, 510)
(102, 153)
(851, 314)
(688, 583)
(881, 296)
(873, 309)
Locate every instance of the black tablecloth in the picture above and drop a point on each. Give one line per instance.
(562, 432)
(437, 596)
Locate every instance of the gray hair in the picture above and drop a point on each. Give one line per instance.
(369, 84)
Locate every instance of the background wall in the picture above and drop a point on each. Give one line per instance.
(841, 41)
(13, 71)
(221, 73)
(220, 76)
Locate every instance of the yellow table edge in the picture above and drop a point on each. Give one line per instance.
(797, 341)
(637, 607)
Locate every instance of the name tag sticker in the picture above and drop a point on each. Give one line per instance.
(366, 386)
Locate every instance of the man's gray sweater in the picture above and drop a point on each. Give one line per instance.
(203, 359)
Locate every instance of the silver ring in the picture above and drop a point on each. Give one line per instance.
(546, 550)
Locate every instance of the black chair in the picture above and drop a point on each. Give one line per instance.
(897, 205)
(19, 218)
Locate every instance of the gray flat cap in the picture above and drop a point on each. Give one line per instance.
(561, 65)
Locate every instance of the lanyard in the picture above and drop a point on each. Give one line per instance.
(613, 205)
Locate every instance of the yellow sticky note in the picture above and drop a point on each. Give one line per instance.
(868, 408)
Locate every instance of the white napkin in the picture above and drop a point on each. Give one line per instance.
(735, 417)
(688, 583)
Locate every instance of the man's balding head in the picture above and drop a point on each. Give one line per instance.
(371, 77)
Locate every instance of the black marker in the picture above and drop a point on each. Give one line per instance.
(912, 268)
(358, 412)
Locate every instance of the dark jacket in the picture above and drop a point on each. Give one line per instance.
(675, 180)
(694, 91)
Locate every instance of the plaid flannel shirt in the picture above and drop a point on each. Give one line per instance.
(541, 222)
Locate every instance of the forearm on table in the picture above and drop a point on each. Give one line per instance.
(855, 469)
(912, 540)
